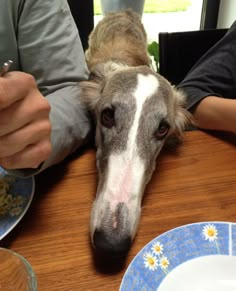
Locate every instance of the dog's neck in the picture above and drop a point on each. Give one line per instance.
(119, 53)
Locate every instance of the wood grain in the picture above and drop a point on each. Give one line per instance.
(195, 183)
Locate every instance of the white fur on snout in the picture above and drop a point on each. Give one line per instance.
(125, 181)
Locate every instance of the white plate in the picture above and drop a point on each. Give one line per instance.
(194, 257)
(17, 203)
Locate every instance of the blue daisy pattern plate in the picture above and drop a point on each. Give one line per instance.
(162, 256)
(16, 195)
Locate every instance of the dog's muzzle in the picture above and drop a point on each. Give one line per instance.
(113, 237)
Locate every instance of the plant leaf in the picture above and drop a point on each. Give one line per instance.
(153, 50)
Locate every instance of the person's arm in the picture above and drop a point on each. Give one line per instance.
(216, 113)
(51, 51)
(210, 86)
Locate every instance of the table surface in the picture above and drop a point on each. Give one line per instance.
(192, 184)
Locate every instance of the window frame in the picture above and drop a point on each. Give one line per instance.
(209, 15)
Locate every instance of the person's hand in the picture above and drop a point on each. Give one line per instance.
(25, 127)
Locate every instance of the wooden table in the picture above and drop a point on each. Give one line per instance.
(196, 183)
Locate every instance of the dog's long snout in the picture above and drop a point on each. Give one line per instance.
(113, 236)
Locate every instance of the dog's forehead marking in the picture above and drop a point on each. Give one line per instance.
(147, 85)
(126, 169)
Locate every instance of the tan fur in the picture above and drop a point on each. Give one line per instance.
(118, 41)
(116, 57)
(127, 45)
(183, 118)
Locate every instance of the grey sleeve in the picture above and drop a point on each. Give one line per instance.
(50, 49)
(215, 72)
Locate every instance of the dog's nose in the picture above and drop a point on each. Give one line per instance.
(112, 244)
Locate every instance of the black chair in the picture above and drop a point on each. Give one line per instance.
(83, 15)
(179, 51)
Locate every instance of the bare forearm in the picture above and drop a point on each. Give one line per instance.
(216, 113)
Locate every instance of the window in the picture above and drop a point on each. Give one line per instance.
(165, 15)
(183, 16)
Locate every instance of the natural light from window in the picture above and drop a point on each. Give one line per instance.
(178, 15)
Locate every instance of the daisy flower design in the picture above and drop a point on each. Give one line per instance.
(150, 261)
(157, 248)
(210, 232)
(164, 263)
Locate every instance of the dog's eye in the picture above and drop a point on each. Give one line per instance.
(108, 118)
(162, 130)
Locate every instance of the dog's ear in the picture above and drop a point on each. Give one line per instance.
(183, 118)
(91, 90)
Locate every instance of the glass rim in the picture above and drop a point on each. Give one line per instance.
(28, 266)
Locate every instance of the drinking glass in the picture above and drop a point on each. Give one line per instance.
(16, 272)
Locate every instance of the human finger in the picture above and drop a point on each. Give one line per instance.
(23, 112)
(31, 157)
(14, 86)
(18, 140)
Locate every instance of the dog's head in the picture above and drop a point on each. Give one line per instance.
(136, 110)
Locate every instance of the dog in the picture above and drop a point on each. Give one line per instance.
(136, 110)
